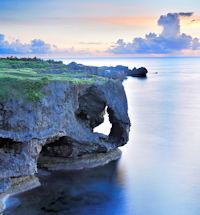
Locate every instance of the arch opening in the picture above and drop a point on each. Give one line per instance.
(105, 126)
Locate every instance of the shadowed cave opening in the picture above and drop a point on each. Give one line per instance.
(59, 148)
(68, 148)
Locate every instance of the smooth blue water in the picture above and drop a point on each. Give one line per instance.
(159, 172)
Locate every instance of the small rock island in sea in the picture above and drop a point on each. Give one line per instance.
(48, 111)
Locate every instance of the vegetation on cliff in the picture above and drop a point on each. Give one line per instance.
(23, 78)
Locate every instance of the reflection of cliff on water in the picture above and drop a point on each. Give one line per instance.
(70, 192)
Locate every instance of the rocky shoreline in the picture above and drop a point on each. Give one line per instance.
(22, 184)
(16, 186)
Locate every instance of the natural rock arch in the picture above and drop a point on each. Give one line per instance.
(61, 124)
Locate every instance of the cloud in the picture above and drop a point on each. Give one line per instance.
(170, 40)
(16, 47)
(40, 47)
(196, 44)
(195, 20)
(186, 14)
(171, 23)
(36, 47)
(4, 45)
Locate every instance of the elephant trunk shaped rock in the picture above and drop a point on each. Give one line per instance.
(60, 125)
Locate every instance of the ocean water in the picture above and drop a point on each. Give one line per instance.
(159, 171)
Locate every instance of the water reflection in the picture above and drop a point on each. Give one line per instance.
(71, 192)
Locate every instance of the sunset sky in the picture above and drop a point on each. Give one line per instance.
(98, 28)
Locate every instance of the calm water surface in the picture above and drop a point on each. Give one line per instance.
(159, 171)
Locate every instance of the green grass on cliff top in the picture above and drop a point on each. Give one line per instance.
(23, 79)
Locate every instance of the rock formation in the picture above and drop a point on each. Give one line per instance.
(111, 72)
(140, 72)
(121, 72)
(60, 125)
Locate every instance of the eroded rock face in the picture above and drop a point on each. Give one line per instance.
(60, 124)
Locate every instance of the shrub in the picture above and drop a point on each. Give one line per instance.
(92, 76)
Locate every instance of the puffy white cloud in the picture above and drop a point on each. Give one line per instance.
(196, 44)
(40, 47)
(5, 47)
(171, 23)
(35, 47)
(170, 40)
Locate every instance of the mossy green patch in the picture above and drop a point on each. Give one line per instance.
(26, 84)
(24, 78)
(92, 76)
(21, 85)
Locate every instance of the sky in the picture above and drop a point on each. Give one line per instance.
(99, 28)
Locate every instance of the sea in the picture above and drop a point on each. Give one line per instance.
(159, 171)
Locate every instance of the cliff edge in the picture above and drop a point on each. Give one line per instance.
(58, 125)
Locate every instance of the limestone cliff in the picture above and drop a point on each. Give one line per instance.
(60, 125)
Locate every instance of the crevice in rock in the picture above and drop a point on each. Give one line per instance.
(10, 147)
(82, 116)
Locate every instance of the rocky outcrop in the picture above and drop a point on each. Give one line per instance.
(60, 125)
(140, 72)
(121, 72)
(113, 72)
